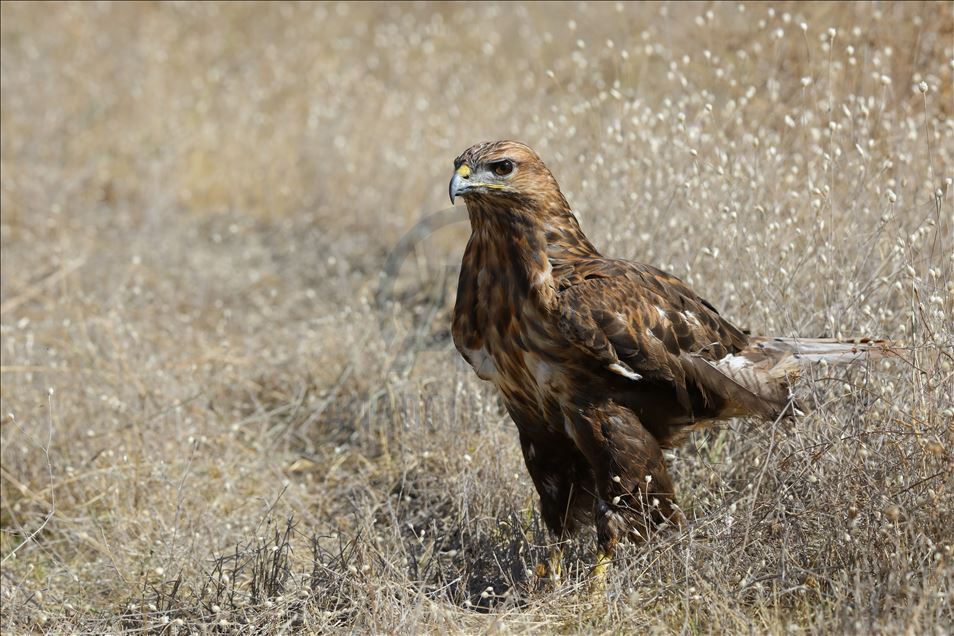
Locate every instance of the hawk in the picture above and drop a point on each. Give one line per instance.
(601, 362)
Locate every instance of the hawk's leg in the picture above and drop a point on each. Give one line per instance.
(564, 481)
(634, 491)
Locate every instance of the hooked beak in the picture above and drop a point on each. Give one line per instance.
(459, 183)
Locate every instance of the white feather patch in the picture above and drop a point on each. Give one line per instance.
(616, 367)
(734, 363)
(545, 276)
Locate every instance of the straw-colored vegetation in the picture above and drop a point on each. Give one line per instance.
(225, 408)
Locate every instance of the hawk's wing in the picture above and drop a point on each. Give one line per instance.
(650, 321)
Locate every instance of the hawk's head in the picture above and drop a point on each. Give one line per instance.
(501, 170)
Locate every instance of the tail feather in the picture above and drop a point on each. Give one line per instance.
(786, 356)
(766, 369)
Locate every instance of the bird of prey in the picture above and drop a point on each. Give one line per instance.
(601, 362)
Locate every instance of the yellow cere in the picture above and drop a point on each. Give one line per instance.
(464, 171)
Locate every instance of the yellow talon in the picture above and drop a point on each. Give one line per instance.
(556, 564)
(552, 568)
(598, 575)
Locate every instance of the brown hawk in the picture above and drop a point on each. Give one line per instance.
(601, 362)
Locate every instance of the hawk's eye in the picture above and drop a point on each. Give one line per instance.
(502, 168)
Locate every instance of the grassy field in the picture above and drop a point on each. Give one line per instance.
(230, 400)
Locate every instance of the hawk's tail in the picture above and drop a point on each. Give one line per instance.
(760, 376)
(792, 353)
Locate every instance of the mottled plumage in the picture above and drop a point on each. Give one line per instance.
(601, 362)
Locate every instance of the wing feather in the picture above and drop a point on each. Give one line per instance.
(650, 321)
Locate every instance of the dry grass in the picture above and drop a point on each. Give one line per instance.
(219, 414)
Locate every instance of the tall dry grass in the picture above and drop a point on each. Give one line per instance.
(230, 405)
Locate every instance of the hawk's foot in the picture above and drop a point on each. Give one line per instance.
(597, 580)
(551, 569)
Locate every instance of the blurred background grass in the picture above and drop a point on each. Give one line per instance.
(198, 202)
